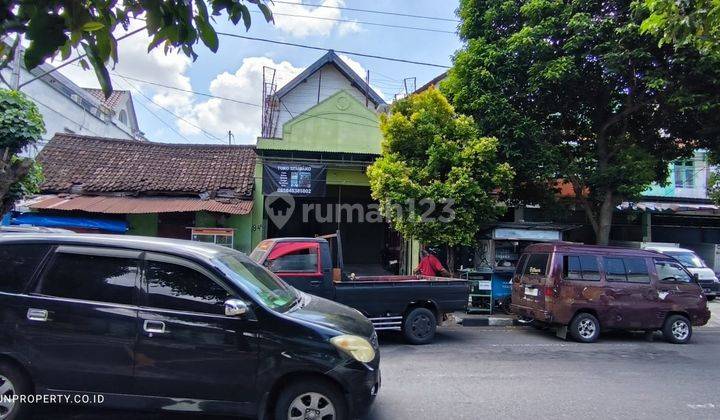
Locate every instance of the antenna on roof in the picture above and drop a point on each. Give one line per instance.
(410, 85)
(270, 104)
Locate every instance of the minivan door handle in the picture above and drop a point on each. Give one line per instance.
(154, 327)
(37, 315)
(315, 282)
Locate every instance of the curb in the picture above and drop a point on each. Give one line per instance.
(489, 322)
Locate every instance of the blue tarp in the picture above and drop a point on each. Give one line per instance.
(5, 220)
(37, 219)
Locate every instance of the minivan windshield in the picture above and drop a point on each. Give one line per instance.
(688, 259)
(262, 284)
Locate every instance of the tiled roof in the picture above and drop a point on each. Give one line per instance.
(113, 101)
(84, 164)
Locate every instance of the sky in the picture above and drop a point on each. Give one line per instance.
(235, 71)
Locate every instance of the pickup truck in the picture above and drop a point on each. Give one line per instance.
(415, 305)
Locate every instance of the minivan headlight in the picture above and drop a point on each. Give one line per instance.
(357, 347)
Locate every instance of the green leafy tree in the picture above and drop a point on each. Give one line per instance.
(437, 179)
(21, 125)
(577, 94)
(682, 23)
(60, 26)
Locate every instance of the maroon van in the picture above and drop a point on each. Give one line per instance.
(584, 289)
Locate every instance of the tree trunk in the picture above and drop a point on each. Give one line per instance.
(602, 236)
(450, 251)
(10, 174)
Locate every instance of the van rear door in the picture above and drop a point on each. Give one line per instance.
(531, 281)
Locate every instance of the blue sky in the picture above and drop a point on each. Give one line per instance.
(235, 71)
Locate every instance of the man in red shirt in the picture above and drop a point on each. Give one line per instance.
(430, 265)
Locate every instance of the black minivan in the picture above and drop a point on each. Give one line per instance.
(160, 324)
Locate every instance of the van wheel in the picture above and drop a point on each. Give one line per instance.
(13, 382)
(677, 329)
(585, 328)
(313, 399)
(419, 326)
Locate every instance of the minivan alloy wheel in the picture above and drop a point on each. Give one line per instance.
(680, 330)
(586, 328)
(7, 390)
(311, 406)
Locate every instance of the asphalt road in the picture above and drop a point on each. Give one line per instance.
(518, 372)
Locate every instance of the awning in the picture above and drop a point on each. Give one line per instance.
(139, 205)
(668, 207)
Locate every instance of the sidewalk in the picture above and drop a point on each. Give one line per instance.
(504, 320)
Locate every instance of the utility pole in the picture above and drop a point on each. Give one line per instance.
(367, 87)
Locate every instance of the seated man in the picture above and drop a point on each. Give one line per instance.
(430, 265)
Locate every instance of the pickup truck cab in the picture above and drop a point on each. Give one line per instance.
(415, 305)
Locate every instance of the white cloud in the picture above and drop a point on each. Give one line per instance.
(312, 20)
(219, 116)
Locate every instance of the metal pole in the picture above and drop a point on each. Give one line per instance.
(15, 82)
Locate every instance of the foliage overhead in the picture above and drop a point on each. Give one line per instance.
(693, 23)
(59, 26)
(21, 125)
(575, 92)
(432, 154)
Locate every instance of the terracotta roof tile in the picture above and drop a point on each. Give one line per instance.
(113, 101)
(86, 164)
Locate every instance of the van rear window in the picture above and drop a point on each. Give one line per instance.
(19, 262)
(536, 265)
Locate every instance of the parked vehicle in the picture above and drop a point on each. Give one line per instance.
(414, 305)
(588, 289)
(165, 324)
(695, 265)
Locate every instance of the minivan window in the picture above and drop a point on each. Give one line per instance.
(18, 262)
(180, 288)
(581, 267)
(260, 282)
(671, 271)
(629, 269)
(90, 277)
(536, 265)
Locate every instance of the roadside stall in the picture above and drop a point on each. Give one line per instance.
(496, 258)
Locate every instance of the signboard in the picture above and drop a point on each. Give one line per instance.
(296, 179)
(526, 234)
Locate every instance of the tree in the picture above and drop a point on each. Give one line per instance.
(21, 125)
(437, 179)
(694, 23)
(577, 94)
(60, 26)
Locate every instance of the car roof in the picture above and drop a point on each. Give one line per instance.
(549, 247)
(668, 249)
(180, 247)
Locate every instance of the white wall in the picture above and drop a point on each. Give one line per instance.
(63, 114)
(305, 95)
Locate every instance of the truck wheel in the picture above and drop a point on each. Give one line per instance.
(585, 328)
(677, 329)
(13, 382)
(419, 326)
(312, 399)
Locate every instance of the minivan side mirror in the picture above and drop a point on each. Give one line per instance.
(235, 307)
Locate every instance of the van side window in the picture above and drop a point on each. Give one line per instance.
(520, 267)
(19, 262)
(536, 265)
(581, 267)
(671, 271)
(180, 288)
(629, 269)
(637, 271)
(90, 277)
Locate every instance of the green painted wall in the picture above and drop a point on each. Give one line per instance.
(241, 224)
(143, 224)
(340, 124)
(257, 225)
(354, 177)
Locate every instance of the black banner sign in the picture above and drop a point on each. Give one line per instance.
(296, 179)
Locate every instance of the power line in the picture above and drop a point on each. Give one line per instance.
(311, 47)
(79, 57)
(359, 22)
(208, 134)
(378, 12)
